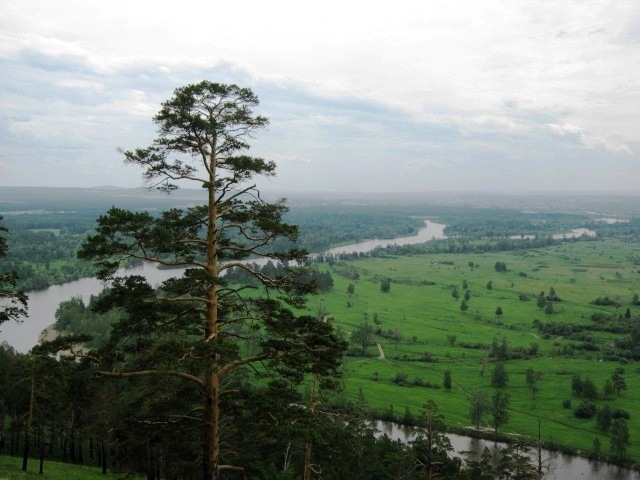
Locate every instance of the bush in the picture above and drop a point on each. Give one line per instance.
(620, 413)
(566, 403)
(401, 378)
(604, 302)
(601, 317)
(586, 409)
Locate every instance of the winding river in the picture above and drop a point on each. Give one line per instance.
(43, 304)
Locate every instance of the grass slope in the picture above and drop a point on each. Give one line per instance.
(426, 314)
(11, 469)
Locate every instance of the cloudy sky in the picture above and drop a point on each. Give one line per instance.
(417, 95)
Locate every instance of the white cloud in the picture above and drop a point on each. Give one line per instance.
(135, 102)
(76, 83)
(419, 80)
(589, 140)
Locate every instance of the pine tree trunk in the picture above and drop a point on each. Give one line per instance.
(211, 415)
(27, 433)
(211, 453)
(309, 447)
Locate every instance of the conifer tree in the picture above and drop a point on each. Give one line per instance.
(198, 327)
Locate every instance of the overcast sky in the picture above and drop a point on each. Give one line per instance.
(421, 95)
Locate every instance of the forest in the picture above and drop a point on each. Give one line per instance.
(237, 369)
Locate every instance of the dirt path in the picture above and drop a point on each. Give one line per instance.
(381, 357)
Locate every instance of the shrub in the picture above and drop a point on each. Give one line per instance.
(401, 378)
(586, 409)
(620, 413)
(604, 302)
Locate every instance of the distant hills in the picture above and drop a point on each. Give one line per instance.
(100, 198)
(22, 199)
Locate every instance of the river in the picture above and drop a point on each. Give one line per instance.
(558, 466)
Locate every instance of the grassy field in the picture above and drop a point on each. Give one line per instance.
(428, 316)
(11, 469)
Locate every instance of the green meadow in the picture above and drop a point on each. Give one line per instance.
(424, 332)
(11, 469)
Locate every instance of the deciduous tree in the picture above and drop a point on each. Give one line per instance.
(499, 409)
(620, 439)
(532, 377)
(478, 407)
(619, 383)
(499, 376)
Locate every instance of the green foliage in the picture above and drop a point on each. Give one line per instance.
(454, 293)
(42, 258)
(532, 378)
(605, 302)
(446, 380)
(425, 310)
(478, 407)
(499, 409)
(586, 409)
(55, 470)
(325, 226)
(361, 336)
(72, 316)
(201, 333)
(500, 351)
(499, 376)
(620, 438)
(500, 267)
(13, 301)
(619, 383)
(604, 418)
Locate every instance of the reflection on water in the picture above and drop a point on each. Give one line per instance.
(559, 466)
(430, 231)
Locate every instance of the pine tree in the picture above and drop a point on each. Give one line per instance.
(199, 327)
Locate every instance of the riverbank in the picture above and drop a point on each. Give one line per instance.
(559, 463)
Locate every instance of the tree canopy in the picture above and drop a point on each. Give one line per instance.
(13, 303)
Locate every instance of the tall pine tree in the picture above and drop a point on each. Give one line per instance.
(198, 327)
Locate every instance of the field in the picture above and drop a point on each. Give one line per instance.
(425, 332)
